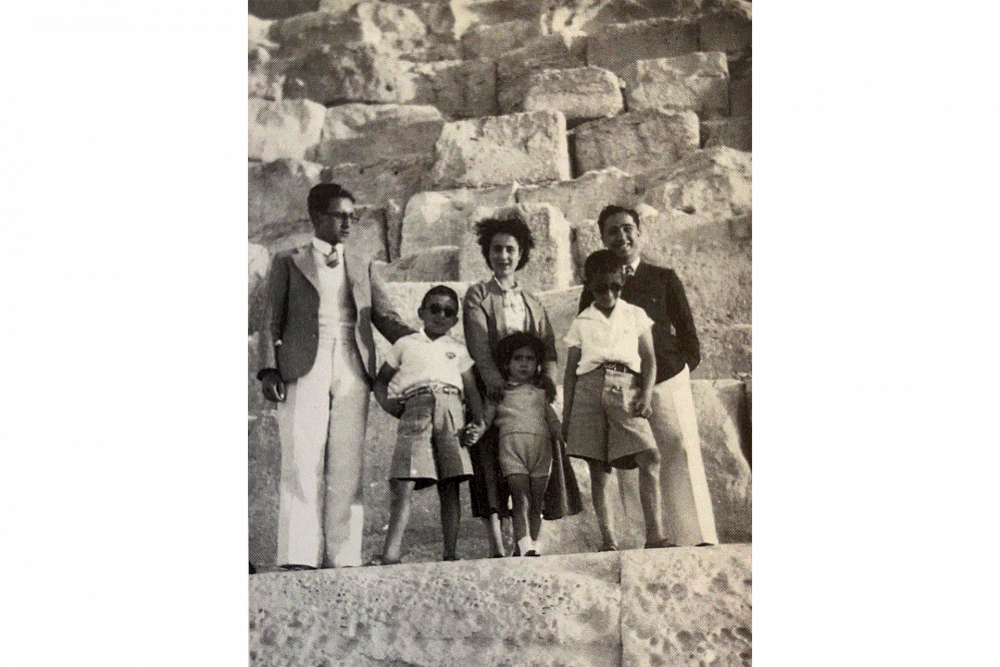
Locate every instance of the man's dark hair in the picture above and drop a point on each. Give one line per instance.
(440, 290)
(515, 226)
(508, 345)
(601, 262)
(321, 195)
(609, 211)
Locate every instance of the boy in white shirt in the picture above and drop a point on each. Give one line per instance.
(610, 372)
(431, 373)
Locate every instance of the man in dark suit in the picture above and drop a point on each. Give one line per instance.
(319, 362)
(688, 514)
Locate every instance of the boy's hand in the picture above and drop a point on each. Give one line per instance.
(394, 406)
(472, 432)
(642, 407)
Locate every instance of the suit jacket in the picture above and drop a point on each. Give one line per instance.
(481, 312)
(660, 293)
(291, 337)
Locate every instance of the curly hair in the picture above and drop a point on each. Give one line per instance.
(322, 194)
(508, 345)
(515, 226)
(609, 211)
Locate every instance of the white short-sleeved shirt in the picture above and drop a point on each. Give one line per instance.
(421, 361)
(615, 338)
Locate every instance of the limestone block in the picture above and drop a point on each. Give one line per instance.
(284, 129)
(696, 81)
(582, 93)
(726, 351)
(277, 198)
(458, 88)
(436, 263)
(492, 41)
(539, 611)
(385, 184)
(615, 46)
(524, 147)
(714, 182)
(562, 307)
(319, 30)
(258, 261)
(443, 217)
(380, 139)
(549, 267)
(264, 473)
(585, 238)
(636, 141)
(514, 68)
(277, 9)
(350, 121)
(258, 31)
(361, 73)
(265, 76)
(398, 27)
(726, 27)
(690, 608)
(740, 102)
(733, 132)
(582, 199)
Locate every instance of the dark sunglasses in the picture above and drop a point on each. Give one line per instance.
(614, 288)
(343, 217)
(447, 311)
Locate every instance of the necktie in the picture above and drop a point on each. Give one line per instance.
(629, 271)
(333, 259)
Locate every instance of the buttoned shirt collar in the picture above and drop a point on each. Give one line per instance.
(325, 248)
(592, 313)
(635, 264)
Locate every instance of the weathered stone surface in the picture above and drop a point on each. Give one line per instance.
(687, 607)
(265, 75)
(458, 88)
(549, 267)
(540, 611)
(615, 46)
(726, 351)
(514, 68)
(277, 198)
(396, 27)
(443, 217)
(740, 97)
(733, 132)
(258, 260)
(390, 133)
(726, 27)
(492, 41)
(284, 129)
(582, 199)
(384, 185)
(356, 73)
(714, 182)
(524, 147)
(582, 93)
(696, 81)
(264, 472)
(277, 9)
(303, 32)
(436, 263)
(257, 33)
(636, 141)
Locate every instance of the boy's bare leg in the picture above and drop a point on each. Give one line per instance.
(399, 517)
(538, 485)
(450, 515)
(651, 496)
(599, 492)
(495, 535)
(520, 495)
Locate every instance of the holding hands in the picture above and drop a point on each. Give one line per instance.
(472, 432)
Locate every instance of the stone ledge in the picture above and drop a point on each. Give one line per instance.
(684, 606)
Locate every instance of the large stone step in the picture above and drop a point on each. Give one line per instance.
(677, 607)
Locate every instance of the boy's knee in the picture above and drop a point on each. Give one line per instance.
(648, 459)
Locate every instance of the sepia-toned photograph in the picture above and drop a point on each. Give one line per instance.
(499, 333)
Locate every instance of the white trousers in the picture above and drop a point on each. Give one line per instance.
(688, 517)
(321, 425)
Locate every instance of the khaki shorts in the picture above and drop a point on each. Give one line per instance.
(525, 454)
(428, 446)
(602, 426)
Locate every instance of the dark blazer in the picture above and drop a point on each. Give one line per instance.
(292, 333)
(660, 293)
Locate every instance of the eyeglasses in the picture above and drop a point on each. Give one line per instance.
(447, 311)
(342, 217)
(614, 288)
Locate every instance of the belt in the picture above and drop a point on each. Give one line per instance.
(436, 388)
(617, 366)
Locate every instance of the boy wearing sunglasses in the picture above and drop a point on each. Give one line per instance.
(431, 380)
(610, 371)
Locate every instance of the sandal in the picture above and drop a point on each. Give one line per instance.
(659, 544)
(382, 560)
(610, 545)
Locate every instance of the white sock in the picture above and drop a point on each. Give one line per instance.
(524, 544)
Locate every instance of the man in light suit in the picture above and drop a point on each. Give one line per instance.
(319, 362)
(688, 513)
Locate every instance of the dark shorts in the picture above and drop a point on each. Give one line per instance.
(428, 445)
